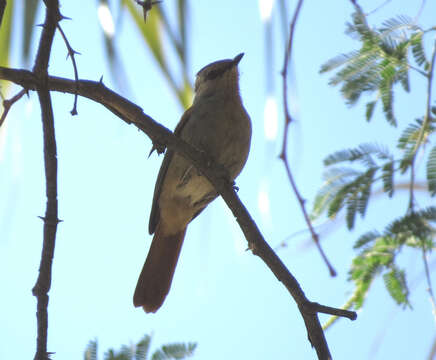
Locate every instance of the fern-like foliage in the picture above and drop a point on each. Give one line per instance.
(140, 351)
(378, 252)
(91, 350)
(350, 188)
(386, 56)
(380, 63)
(431, 171)
(174, 351)
(395, 282)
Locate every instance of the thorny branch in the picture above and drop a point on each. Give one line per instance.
(40, 72)
(133, 114)
(71, 54)
(7, 104)
(283, 155)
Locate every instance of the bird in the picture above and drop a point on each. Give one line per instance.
(217, 124)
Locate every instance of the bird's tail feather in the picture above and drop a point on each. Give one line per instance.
(157, 273)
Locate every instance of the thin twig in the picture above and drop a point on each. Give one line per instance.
(421, 8)
(71, 54)
(423, 73)
(418, 144)
(133, 114)
(432, 354)
(428, 279)
(412, 186)
(7, 104)
(283, 155)
(378, 7)
(40, 72)
(428, 102)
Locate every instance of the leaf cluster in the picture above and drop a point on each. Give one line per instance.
(382, 61)
(378, 253)
(349, 187)
(140, 351)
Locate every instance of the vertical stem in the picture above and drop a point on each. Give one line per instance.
(43, 283)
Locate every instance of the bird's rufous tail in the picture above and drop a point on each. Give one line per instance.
(157, 273)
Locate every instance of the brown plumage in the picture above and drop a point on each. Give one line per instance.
(218, 124)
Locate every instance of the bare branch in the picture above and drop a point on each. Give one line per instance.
(43, 283)
(7, 104)
(71, 54)
(283, 155)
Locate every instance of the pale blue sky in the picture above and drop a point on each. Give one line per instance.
(222, 297)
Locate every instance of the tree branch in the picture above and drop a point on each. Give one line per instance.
(7, 104)
(40, 72)
(283, 155)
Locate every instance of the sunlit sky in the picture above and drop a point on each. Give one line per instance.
(222, 296)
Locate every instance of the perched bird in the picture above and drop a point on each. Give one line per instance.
(217, 124)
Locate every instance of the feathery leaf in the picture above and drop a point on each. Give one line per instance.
(431, 171)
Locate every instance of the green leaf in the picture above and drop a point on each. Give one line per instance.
(387, 97)
(366, 238)
(431, 171)
(370, 109)
(413, 225)
(397, 23)
(395, 282)
(403, 77)
(411, 138)
(125, 353)
(174, 351)
(409, 135)
(388, 178)
(362, 153)
(351, 211)
(418, 50)
(365, 191)
(142, 348)
(335, 179)
(91, 350)
(338, 61)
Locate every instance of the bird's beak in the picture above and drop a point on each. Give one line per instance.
(237, 59)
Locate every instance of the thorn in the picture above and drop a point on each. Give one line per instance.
(146, 6)
(101, 80)
(153, 148)
(63, 17)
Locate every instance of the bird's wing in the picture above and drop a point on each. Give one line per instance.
(154, 214)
